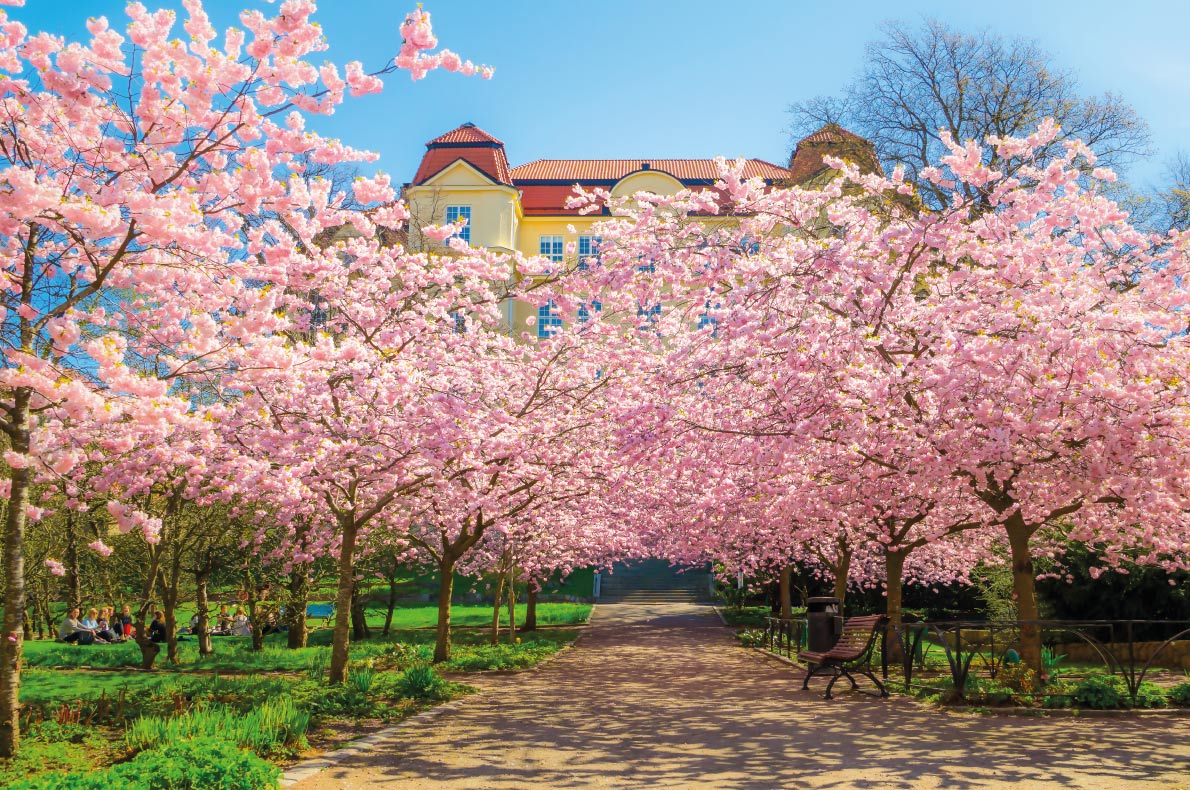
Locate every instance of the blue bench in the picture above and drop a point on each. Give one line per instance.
(326, 611)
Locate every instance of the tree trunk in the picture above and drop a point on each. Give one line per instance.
(446, 580)
(512, 604)
(70, 558)
(299, 598)
(148, 648)
(392, 605)
(12, 633)
(359, 615)
(201, 631)
(253, 619)
(894, 574)
(786, 588)
(497, 603)
(169, 602)
(530, 623)
(1023, 587)
(342, 636)
(842, 571)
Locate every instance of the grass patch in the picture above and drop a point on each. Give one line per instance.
(747, 616)
(235, 654)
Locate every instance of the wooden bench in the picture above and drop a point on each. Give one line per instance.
(850, 654)
(324, 610)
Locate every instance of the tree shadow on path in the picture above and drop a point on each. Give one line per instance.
(662, 697)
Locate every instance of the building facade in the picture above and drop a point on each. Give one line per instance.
(465, 175)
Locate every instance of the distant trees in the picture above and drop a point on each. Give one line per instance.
(919, 81)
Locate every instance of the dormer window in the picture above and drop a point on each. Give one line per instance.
(460, 213)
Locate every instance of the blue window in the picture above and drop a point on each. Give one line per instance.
(460, 322)
(749, 245)
(651, 315)
(548, 320)
(588, 251)
(457, 213)
(551, 247)
(648, 268)
(707, 319)
(584, 314)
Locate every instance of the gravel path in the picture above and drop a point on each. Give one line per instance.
(659, 696)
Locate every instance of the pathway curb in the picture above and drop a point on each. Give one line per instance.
(308, 768)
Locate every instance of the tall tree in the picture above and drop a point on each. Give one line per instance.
(918, 81)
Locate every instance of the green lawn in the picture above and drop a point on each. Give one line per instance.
(234, 654)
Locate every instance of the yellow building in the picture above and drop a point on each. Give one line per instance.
(465, 175)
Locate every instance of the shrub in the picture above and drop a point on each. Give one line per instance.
(1150, 695)
(1100, 692)
(361, 679)
(274, 727)
(199, 764)
(750, 637)
(1180, 694)
(422, 682)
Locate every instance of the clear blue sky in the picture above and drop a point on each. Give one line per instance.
(688, 78)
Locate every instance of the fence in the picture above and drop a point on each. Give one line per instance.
(1133, 650)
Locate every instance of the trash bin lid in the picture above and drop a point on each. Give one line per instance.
(823, 599)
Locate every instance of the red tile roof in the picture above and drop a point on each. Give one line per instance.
(467, 133)
(832, 133)
(471, 144)
(605, 170)
(831, 140)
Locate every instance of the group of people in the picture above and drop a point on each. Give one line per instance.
(227, 624)
(100, 626)
(103, 626)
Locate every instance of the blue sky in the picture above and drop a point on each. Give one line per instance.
(658, 78)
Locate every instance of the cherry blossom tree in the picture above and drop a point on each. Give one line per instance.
(130, 163)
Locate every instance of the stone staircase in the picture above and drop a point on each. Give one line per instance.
(653, 581)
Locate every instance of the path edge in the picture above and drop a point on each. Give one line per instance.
(316, 765)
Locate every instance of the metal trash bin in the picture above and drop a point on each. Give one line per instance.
(823, 623)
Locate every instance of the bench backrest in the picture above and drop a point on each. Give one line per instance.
(857, 637)
(320, 609)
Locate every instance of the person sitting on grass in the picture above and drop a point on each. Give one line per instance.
(91, 623)
(157, 627)
(73, 630)
(104, 629)
(240, 625)
(223, 622)
(122, 622)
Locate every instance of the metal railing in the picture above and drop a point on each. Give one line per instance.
(972, 649)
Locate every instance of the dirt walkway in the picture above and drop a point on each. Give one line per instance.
(661, 697)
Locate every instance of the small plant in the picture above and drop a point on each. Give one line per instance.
(185, 765)
(421, 682)
(316, 665)
(1019, 678)
(360, 679)
(1100, 692)
(750, 637)
(1180, 694)
(1050, 665)
(277, 726)
(1150, 695)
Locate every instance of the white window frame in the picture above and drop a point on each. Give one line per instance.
(548, 321)
(591, 254)
(552, 247)
(460, 212)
